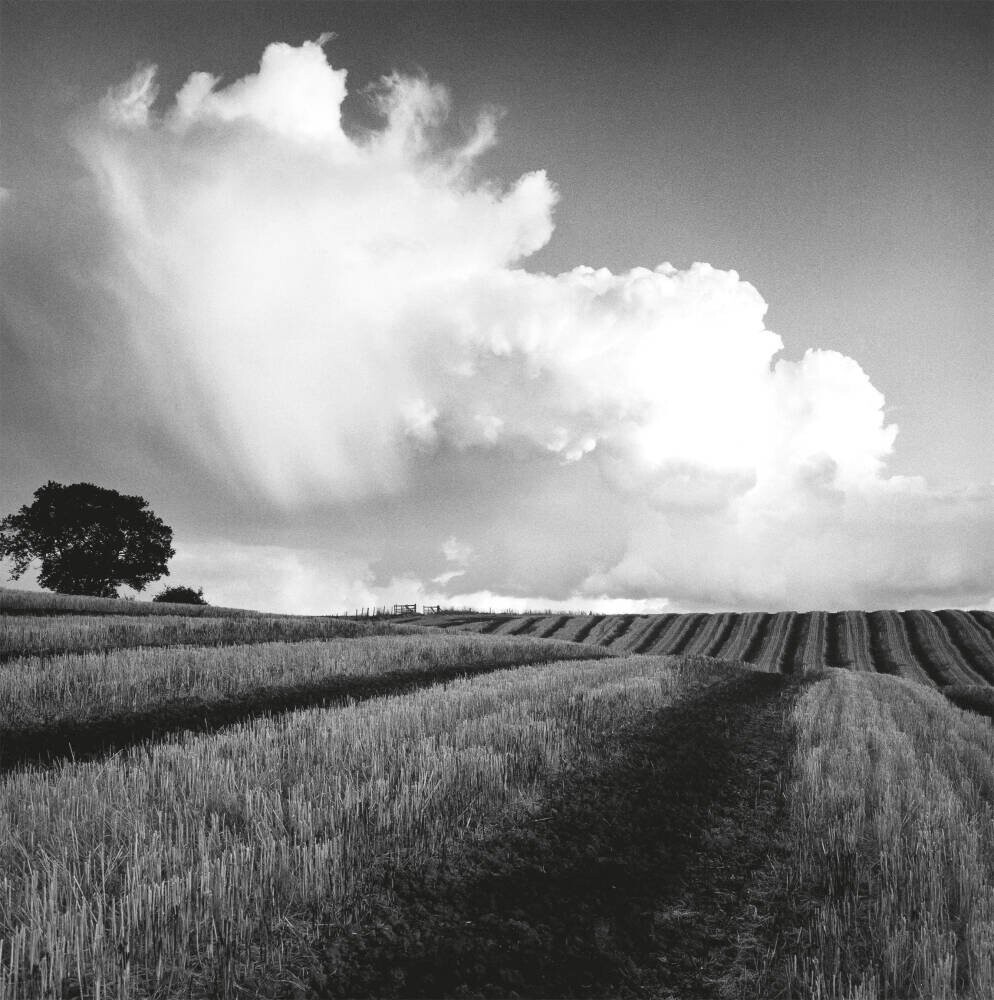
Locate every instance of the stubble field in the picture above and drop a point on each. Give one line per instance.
(233, 805)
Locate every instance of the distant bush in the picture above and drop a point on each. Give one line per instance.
(180, 595)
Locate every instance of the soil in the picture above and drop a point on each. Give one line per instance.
(638, 877)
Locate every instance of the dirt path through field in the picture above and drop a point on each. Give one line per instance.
(635, 880)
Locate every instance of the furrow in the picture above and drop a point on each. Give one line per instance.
(721, 635)
(584, 631)
(647, 642)
(555, 626)
(974, 642)
(813, 652)
(892, 651)
(931, 644)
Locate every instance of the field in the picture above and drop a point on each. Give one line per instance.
(234, 805)
(951, 650)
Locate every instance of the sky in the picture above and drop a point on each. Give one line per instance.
(612, 306)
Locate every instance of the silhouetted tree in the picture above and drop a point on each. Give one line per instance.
(90, 540)
(181, 595)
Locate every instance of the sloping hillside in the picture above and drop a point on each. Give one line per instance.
(945, 649)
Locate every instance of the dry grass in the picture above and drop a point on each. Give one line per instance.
(13, 601)
(206, 866)
(38, 692)
(891, 863)
(33, 635)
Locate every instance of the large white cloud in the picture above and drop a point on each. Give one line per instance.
(328, 316)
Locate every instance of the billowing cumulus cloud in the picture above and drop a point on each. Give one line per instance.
(337, 323)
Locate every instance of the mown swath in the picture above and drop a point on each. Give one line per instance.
(791, 637)
(832, 652)
(813, 649)
(603, 630)
(574, 624)
(461, 622)
(699, 636)
(678, 641)
(753, 650)
(674, 628)
(621, 626)
(887, 875)
(633, 636)
(892, 652)
(526, 626)
(802, 651)
(740, 638)
(477, 625)
(931, 644)
(770, 654)
(853, 637)
(709, 629)
(552, 627)
(31, 635)
(973, 641)
(648, 638)
(720, 636)
(587, 626)
(495, 623)
(985, 619)
(105, 698)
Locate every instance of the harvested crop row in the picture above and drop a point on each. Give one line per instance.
(602, 630)
(48, 693)
(931, 644)
(634, 634)
(676, 635)
(552, 626)
(850, 641)
(811, 654)
(740, 638)
(891, 651)
(620, 624)
(985, 619)
(464, 624)
(577, 629)
(953, 647)
(758, 641)
(213, 862)
(497, 624)
(524, 625)
(974, 642)
(720, 635)
(770, 654)
(891, 827)
(699, 638)
(28, 635)
(650, 636)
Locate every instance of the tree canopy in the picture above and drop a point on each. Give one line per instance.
(90, 540)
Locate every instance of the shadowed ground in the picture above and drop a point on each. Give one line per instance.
(634, 880)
